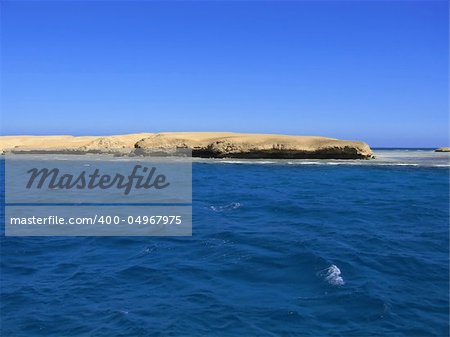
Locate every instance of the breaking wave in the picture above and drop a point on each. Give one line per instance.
(332, 275)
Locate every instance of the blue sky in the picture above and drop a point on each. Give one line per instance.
(374, 71)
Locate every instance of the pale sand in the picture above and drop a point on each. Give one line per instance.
(220, 144)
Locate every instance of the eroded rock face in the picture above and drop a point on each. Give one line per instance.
(202, 144)
(443, 149)
(160, 145)
(259, 146)
(159, 141)
(105, 145)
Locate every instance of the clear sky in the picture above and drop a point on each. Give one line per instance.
(375, 71)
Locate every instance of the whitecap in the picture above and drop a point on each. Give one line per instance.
(232, 205)
(332, 275)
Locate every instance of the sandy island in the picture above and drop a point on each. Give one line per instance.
(202, 144)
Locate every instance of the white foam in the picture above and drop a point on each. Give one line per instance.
(397, 164)
(247, 162)
(232, 162)
(304, 163)
(232, 205)
(332, 275)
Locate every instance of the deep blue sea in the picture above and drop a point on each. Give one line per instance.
(279, 248)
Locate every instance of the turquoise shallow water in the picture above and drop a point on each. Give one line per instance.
(279, 248)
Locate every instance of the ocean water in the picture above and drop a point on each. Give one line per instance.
(279, 248)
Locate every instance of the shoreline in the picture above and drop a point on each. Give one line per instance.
(409, 158)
